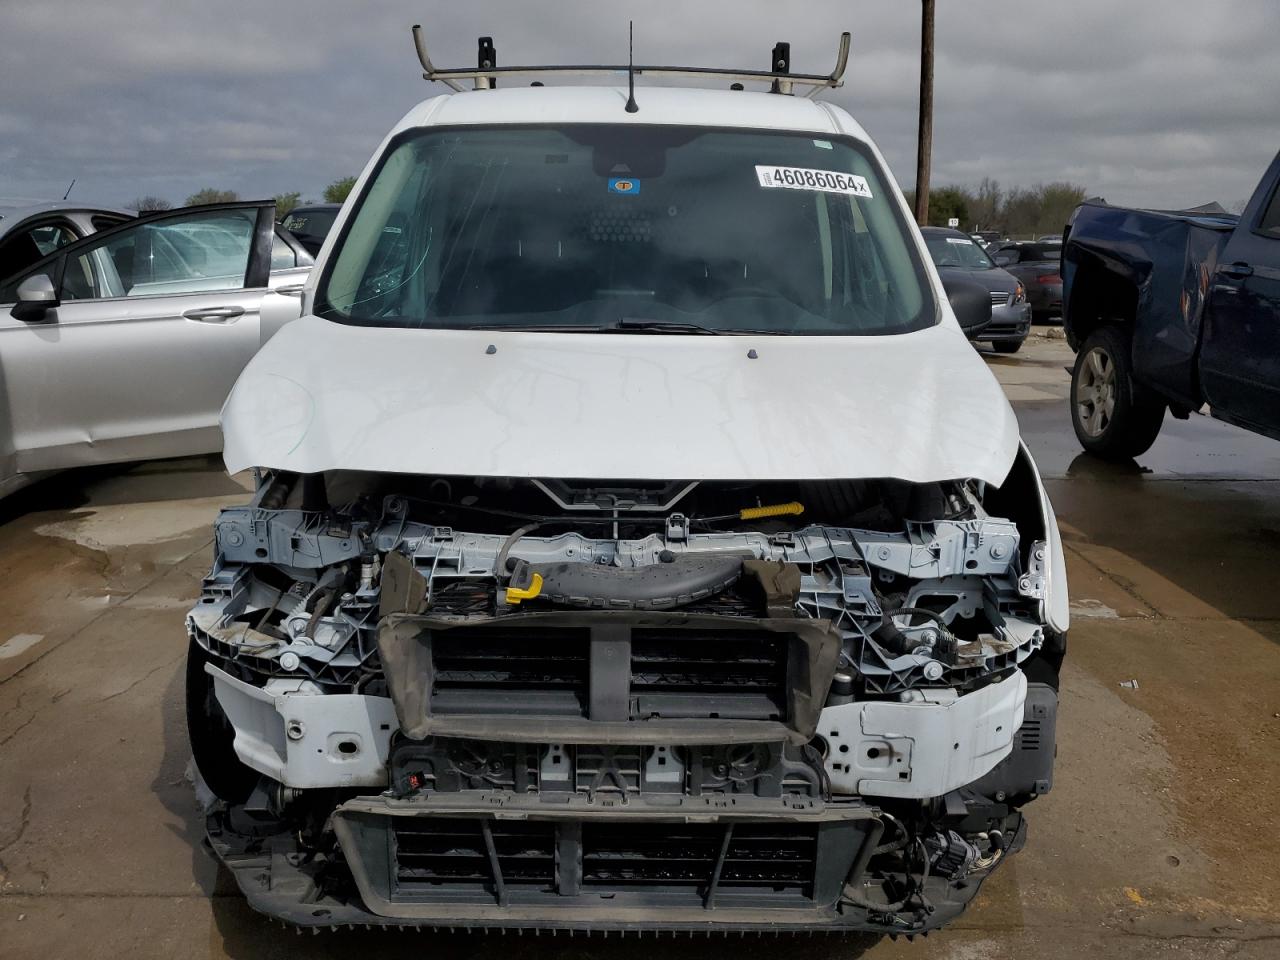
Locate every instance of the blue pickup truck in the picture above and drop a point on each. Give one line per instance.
(1170, 311)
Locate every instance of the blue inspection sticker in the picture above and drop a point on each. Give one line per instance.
(627, 185)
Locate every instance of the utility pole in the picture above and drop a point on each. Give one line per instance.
(924, 143)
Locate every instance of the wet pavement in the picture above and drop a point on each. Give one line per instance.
(1159, 839)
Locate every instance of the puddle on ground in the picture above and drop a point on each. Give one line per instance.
(1197, 448)
(19, 643)
(130, 525)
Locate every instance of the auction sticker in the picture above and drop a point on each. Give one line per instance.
(800, 178)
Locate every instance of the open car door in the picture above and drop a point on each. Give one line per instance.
(124, 345)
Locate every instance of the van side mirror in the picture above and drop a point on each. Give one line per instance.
(36, 297)
(970, 302)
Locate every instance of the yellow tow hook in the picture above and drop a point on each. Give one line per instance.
(516, 594)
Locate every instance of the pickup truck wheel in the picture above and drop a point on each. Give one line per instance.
(212, 735)
(1114, 418)
(1007, 346)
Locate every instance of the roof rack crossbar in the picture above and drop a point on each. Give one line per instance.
(484, 78)
(429, 71)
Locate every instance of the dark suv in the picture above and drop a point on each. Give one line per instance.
(1039, 266)
(311, 224)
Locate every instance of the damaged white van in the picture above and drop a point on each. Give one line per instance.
(638, 543)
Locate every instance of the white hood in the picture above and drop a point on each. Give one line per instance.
(328, 396)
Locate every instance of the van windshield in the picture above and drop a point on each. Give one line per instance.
(608, 227)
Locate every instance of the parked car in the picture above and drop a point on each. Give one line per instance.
(1173, 311)
(32, 229)
(1038, 266)
(124, 345)
(641, 546)
(955, 254)
(311, 224)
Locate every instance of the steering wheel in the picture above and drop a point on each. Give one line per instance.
(785, 324)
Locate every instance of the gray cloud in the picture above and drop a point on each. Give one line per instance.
(1159, 102)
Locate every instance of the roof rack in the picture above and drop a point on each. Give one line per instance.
(781, 80)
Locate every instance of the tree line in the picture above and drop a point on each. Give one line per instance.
(1018, 212)
(335, 192)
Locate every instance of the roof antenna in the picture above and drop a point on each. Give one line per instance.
(631, 68)
(68, 193)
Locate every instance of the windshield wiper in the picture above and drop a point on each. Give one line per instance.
(665, 326)
(624, 325)
(539, 327)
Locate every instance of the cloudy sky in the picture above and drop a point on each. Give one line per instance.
(1153, 102)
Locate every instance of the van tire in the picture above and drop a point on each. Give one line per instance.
(1114, 417)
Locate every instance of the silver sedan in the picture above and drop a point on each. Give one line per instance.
(123, 345)
(32, 229)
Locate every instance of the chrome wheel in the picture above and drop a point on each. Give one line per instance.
(1096, 392)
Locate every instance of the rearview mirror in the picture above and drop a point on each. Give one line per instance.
(970, 302)
(1004, 259)
(36, 297)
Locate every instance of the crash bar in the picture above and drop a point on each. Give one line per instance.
(485, 74)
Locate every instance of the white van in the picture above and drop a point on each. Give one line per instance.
(639, 544)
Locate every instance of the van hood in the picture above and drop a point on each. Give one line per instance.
(328, 396)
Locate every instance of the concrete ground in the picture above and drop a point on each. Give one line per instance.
(1160, 838)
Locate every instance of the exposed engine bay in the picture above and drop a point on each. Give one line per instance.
(564, 704)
